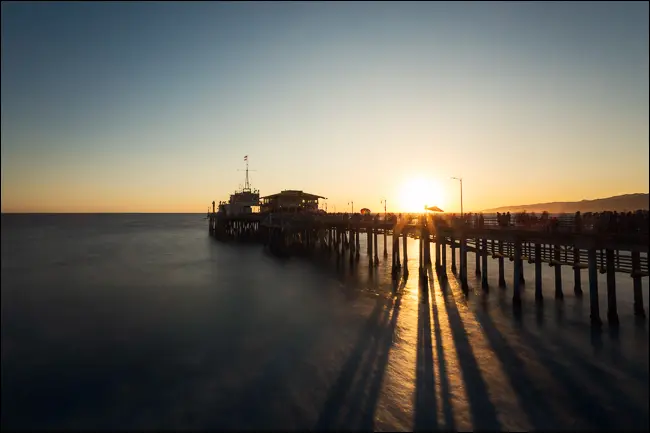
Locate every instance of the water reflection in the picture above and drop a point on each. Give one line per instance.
(301, 344)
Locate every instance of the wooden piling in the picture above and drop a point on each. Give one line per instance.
(558, 273)
(577, 284)
(477, 249)
(593, 287)
(406, 267)
(370, 258)
(376, 246)
(454, 270)
(612, 314)
(443, 248)
(502, 275)
(639, 311)
(437, 247)
(516, 295)
(538, 274)
(484, 275)
(463, 264)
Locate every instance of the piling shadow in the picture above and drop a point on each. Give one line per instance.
(613, 411)
(367, 361)
(445, 391)
(425, 416)
(532, 400)
(483, 412)
(616, 410)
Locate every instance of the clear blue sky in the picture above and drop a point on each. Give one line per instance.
(152, 106)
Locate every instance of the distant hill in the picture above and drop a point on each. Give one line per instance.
(619, 203)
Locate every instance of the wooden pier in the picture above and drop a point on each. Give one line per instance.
(339, 235)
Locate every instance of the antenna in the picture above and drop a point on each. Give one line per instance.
(247, 186)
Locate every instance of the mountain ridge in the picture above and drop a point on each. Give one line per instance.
(618, 203)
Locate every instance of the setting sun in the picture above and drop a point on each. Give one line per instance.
(418, 192)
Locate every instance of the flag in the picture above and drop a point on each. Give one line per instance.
(246, 158)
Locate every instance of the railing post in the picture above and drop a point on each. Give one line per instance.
(636, 281)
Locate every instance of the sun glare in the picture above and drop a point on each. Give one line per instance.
(418, 192)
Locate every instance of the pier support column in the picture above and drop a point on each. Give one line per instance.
(454, 270)
(593, 287)
(406, 257)
(612, 314)
(484, 276)
(399, 263)
(394, 251)
(358, 248)
(368, 241)
(385, 238)
(522, 280)
(477, 244)
(443, 249)
(422, 258)
(516, 295)
(370, 259)
(577, 283)
(463, 264)
(636, 282)
(558, 273)
(538, 274)
(502, 275)
(352, 247)
(437, 247)
(376, 247)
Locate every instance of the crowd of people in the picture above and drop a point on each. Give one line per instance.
(602, 222)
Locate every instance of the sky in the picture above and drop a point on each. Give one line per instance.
(151, 107)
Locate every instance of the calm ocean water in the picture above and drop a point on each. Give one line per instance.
(145, 322)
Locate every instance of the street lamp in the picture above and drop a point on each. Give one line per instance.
(461, 193)
(384, 202)
(351, 203)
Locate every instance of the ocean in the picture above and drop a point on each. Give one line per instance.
(143, 321)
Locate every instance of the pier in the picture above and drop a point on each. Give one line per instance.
(571, 245)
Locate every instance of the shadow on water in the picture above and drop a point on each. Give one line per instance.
(615, 411)
(365, 363)
(425, 415)
(532, 400)
(576, 375)
(484, 414)
(445, 390)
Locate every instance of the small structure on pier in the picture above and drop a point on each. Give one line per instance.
(291, 201)
(244, 201)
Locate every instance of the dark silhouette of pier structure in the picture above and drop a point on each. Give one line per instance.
(571, 245)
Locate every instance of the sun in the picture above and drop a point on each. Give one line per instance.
(418, 192)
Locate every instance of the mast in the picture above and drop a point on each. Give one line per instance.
(247, 185)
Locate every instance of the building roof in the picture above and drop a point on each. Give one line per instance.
(295, 193)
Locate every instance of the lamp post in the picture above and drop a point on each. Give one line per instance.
(461, 193)
(384, 202)
(352, 203)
